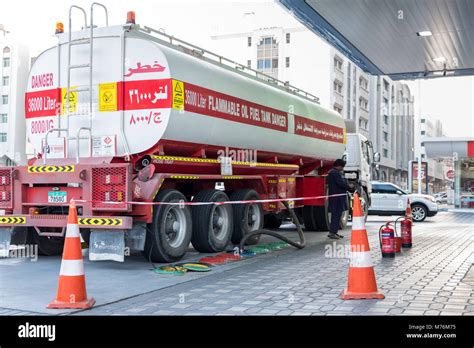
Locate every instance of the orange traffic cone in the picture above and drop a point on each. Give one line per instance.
(361, 281)
(408, 214)
(72, 281)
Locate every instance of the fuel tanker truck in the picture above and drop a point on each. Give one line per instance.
(123, 118)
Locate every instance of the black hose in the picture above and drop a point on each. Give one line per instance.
(300, 245)
(395, 225)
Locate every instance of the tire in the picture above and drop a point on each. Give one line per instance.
(244, 212)
(273, 220)
(47, 246)
(309, 218)
(323, 217)
(365, 206)
(419, 212)
(344, 219)
(86, 235)
(169, 234)
(212, 224)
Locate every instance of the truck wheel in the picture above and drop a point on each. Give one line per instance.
(344, 219)
(273, 220)
(247, 217)
(86, 235)
(309, 218)
(365, 204)
(168, 236)
(323, 217)
(47, 246)
(212, 224)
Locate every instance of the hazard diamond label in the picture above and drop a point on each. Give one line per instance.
(50, 169)
(12, 220)
(100, 221)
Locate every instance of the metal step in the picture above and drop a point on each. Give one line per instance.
(79, 66)
(80, 89)
(80, 42)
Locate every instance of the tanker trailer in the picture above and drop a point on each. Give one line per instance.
(125, 116)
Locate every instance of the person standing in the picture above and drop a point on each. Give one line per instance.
(337, 184)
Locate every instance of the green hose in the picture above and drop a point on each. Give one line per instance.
(300, 245)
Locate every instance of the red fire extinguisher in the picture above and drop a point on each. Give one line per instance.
(387, 240)
(406, 224)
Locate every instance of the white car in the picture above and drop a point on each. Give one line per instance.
(389, 199)
(441, 197)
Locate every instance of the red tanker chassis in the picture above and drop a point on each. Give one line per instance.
(27, 193)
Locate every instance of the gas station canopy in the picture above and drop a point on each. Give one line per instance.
(448, 147)
(405, 39)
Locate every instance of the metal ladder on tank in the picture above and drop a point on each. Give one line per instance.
(81, 89)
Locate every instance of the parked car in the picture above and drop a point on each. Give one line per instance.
(389, 199)
(441, 197)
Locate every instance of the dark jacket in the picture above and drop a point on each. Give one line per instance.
(337, 184)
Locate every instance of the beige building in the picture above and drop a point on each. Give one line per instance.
(14, 67)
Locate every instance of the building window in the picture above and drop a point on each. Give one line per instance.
(385, 153)
(3, 137)
(363, 103)
(3, 118)
(338, 63)
(287, 38)
(249, 63)
(287, 62)
(363, 83)
(6, 49)
(423, 120)
(263, 64)
(4, 99)
(5, 81)
(385, 136)
(337, 86)
(249, 41)
(267, 56)
(423, 132)
(363, 124)
(385, 86)
(338, 109)
(385, 119)
(6, 62)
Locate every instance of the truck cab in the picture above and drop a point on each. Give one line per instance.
(360, 162)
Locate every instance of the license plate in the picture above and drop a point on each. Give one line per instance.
(57, 197)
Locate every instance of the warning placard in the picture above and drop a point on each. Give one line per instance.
(108, 96)
(178, 95)
(104, 146)
(72, 100)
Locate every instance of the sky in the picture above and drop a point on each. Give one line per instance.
(449, 99)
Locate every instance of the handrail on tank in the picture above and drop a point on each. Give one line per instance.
(70, 16)
(70, 39)
(78, 141)
(105, 10)
(46, 140)
(220, 59)
(91, 53)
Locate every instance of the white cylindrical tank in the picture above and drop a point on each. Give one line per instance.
(146, 91)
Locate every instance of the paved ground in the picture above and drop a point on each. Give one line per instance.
(432, 278)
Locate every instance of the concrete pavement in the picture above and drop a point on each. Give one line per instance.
(432, 278)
